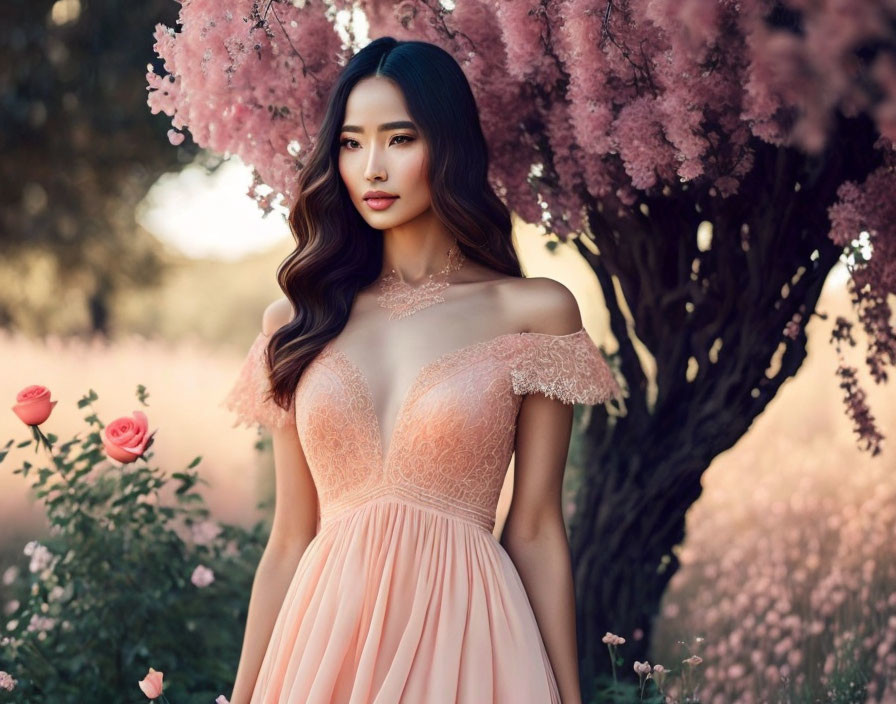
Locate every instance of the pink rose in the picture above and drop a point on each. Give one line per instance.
(33, 405)
(125, 438)
(152, 684)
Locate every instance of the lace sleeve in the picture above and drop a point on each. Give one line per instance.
(247, 398)
(569, 367)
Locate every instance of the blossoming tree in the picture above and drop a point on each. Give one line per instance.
(711, 159)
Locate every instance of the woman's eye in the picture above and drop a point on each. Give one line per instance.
(344, 142)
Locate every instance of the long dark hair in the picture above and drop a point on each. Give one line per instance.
(337, 253)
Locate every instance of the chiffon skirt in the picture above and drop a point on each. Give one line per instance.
(396, 603)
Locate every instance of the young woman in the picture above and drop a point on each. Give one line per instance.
(409, 360)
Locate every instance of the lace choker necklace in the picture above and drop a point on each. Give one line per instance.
(401, 299)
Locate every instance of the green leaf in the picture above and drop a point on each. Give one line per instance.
(187, 481)
(85, 400)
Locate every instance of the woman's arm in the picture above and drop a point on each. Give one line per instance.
(272, 578)
(534, 533)
(294, 526)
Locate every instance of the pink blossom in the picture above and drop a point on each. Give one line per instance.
(246, 89)
(736, 671)
(677, 108)
(10, 574)
(202, 576)
(206, 531)
(151, 684)
(41, 557)
(792, 328)
(659, 674)
(40, 623)
(6, 681)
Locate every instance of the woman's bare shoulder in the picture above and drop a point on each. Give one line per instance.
(542, 304)
(511, 294)
(276, 315)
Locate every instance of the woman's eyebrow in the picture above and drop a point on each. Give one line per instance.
(397, 125)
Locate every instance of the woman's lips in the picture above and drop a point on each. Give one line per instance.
(380, 203)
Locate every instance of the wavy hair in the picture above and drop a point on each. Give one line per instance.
(337, 253)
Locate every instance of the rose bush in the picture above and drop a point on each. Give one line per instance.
(134, 576)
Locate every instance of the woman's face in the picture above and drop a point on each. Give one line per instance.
(375, 154)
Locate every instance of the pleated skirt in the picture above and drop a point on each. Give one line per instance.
(395, 603)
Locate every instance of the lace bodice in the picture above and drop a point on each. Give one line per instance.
(454, 432)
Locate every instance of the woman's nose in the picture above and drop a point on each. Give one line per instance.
(375, 168)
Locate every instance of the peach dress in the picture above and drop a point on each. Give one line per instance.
(404, 595)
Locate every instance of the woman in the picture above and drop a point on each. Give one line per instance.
(407, 363)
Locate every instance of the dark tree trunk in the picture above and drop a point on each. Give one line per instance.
(98, 307)
(713, 318)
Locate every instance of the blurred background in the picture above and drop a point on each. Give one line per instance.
(127, 260)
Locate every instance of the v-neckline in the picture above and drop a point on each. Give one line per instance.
(384, 453)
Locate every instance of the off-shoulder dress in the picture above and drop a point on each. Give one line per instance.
(404, 595)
